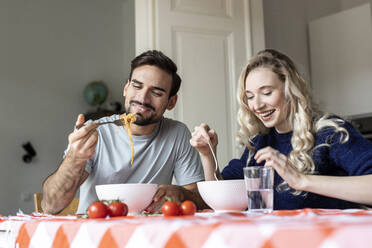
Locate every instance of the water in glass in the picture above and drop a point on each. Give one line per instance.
(260, 200)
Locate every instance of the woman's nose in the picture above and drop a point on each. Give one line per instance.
(258, 103)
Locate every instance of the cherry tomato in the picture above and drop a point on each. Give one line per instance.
(117, 208)
(187, 208)
(170, 208)
(97, 210)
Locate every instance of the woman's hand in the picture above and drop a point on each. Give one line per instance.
(201, 136)
(280, 163)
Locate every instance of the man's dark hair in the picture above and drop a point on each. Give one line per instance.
(158, 59)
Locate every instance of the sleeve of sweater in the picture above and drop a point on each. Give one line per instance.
(355, 155)
(234, 170)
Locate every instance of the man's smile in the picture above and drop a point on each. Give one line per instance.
(141, 108)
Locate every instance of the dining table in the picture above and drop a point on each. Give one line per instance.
(278, 229)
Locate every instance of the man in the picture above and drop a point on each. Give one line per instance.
(102, 155)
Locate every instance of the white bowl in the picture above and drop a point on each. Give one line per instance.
(136, 196)
(224, 195)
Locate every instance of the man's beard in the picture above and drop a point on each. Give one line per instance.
(140, 119)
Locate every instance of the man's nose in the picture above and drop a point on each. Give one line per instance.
(144, 96)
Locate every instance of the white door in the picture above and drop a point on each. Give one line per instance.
(210, 41)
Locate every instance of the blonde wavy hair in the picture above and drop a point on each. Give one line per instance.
(303, 115)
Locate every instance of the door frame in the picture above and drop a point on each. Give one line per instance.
(146, 23)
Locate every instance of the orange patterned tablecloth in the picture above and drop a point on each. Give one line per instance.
(298, 228)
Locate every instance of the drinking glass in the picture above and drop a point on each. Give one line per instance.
(259, 182)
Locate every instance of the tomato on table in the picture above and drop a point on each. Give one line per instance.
(117, 208)
(187, 208)
(170, 208)
(97, 210)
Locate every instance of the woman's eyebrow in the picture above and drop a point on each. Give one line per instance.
(262, 88)
(266, 87)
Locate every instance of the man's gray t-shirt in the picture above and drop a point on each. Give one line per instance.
(157, 158)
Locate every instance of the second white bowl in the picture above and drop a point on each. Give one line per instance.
(224, 195)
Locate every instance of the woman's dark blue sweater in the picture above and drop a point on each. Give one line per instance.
(348, 159)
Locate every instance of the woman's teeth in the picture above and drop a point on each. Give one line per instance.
(266, 113)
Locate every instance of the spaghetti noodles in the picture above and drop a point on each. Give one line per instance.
(128, 120)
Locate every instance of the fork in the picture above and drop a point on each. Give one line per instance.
(117, 122)
(215, 160)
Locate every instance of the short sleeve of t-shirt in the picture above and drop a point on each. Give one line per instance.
(188, 167)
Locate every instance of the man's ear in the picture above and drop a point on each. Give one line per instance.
(172, 102)
(125, 88)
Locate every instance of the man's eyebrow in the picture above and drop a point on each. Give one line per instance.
(154, 87)
(161, 89)
(136, 81)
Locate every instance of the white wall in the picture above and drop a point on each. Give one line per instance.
(286, 26)
(347, 4)
(341, 61)
(50, 49)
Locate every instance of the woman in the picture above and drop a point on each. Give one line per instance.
(320, 160)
